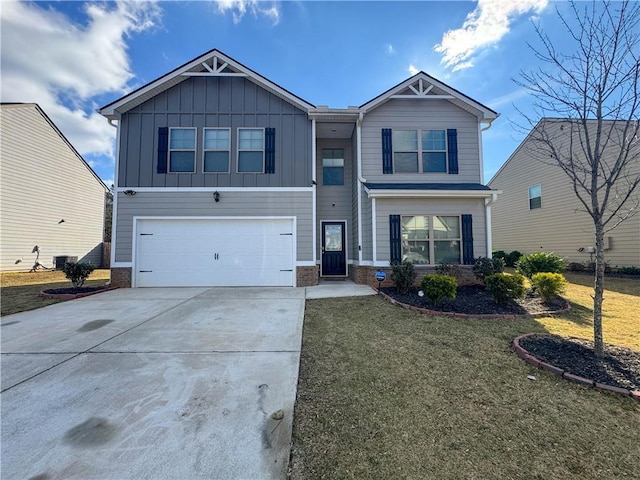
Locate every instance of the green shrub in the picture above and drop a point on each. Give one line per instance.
(512, 258)
(548, 285)
(403, 275)
(629, 271)
(77, 273)
(438, 287)
(591, 267)
(576, 267)
(505, 287)
(500, 254)
(538, 262)
(483, 267)
(450, 269)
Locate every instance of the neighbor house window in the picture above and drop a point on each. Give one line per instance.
(217, 142)
(428, 146)
(535, 197)
(426, 237)
(333, 166)
(250, 150)
(182, 150)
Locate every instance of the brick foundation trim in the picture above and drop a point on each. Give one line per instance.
(307, 276)
(121, 277)
(366, 275)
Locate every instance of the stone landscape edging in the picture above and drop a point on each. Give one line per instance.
(487, 316)
(72, 296)
(536, 362)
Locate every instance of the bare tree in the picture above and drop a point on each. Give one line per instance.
(591, 82)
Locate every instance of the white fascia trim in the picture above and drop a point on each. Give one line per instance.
(215, 189)
(368, 263)
(305, 264)
(431, 193)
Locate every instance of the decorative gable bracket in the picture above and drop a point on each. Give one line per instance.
(214, 67)
(421, 91)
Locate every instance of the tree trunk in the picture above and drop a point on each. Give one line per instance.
(598, 343)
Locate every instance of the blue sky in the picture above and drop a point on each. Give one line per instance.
(73, 57)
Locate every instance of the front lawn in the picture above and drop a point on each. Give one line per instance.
(19, 290)
(389, 393)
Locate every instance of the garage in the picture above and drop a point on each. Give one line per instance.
(209, 252)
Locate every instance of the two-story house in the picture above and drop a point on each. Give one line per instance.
(225, 178)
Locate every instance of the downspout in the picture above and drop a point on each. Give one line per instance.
(480, 130)
(360, 182)
(114, 209)
(314, 229)
(487, 214)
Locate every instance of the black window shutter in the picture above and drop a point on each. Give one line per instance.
(395, 239)
(270, 150)
(467, 240)
(163, 147)
(387, 151)
(452, 150)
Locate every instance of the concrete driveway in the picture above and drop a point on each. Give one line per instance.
(152, 383)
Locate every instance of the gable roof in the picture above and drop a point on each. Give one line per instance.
(422, 86)
(59, 133)
(213, 63)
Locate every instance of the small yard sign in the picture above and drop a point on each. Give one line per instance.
(380, 277)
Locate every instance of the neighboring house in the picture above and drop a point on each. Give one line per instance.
(49, 196)
(539, 211)
(225, 178)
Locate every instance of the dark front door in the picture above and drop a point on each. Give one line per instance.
(334, 258)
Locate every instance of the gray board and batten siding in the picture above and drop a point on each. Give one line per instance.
(403, 114)
(201, 204)
(334, 202)
(214, 102)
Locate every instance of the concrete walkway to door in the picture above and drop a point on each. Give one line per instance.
(152, 384)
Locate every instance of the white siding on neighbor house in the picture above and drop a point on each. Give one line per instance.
(410, 114)
(201, 204)
(42, 181)
(334, 202)
(561, 225)
(429, 206)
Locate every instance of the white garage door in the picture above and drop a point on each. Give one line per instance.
(214, 252)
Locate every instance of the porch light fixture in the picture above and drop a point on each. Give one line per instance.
(216, 197)
(129, 193)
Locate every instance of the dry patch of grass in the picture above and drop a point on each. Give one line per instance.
(19, 290)
(621, 305)
(389, 393)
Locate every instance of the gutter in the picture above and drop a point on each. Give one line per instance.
(361, 181)
(487, 214)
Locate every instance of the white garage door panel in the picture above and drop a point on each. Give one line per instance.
(215, 252)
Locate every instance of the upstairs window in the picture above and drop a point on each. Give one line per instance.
(333, 166)
(250, 150)
(420, 151)
(217, 143)
(535, 197)
(182, 150)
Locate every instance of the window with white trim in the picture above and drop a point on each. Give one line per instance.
(535, 197)
(217, 143)
(250, 150)
(428, 146)
(182, 150)
(332, 166)
(431, 239)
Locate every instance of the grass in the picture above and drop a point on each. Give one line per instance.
(388, 393)
(19, 290)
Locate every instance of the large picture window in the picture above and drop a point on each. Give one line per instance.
(182, 150)
(428, 146)
(250, 150)
(217, 143)
(431, 239)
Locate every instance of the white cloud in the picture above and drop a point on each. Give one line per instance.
(413, 69)
(389, 49)
(485, 26)
(49, 60)
(508, 98)
(238, 9)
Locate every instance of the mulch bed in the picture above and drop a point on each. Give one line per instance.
(73, 291)
(476, 300)
(620, 367)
